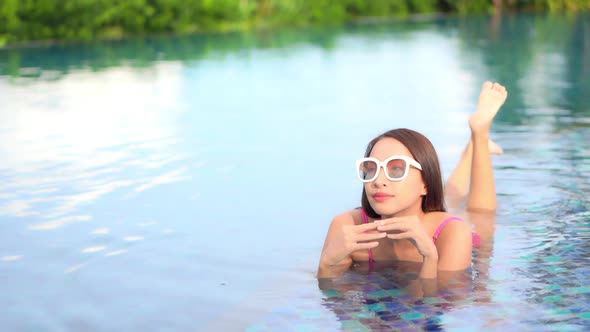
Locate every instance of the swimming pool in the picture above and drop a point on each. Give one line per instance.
(187, 183)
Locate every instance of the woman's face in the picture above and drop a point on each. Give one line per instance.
(399, 198)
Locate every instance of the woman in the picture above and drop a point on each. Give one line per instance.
(403, 217)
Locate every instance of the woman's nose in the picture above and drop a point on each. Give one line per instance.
(381, 180)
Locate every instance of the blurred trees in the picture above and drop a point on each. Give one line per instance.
(25, 20)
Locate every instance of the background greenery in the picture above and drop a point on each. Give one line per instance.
(27, 20)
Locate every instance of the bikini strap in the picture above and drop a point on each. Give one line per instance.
(364, 215)
(442, 226)
(475, 238)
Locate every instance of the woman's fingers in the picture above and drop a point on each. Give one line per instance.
(366, 245)
(369, 236)
(365, 227)
(394, 226)
(400, 236)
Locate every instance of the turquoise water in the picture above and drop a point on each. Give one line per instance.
(187, 183)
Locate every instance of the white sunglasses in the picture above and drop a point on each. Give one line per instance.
(396, 168)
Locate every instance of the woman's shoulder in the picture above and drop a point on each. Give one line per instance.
(438, 217)
(440, 221)
(351, 217)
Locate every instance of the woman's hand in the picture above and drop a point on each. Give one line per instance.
(410, 228)
(342, 240)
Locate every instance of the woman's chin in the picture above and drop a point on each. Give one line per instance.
(385, 212)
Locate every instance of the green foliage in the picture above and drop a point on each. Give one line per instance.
(9, 20)
(22, 20)
(423, 6)
(469, 6)
(568, 5)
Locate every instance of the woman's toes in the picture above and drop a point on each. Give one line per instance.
(487, 85)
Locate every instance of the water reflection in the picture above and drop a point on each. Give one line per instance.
(95, 134)
(55, 62)
(11, 258)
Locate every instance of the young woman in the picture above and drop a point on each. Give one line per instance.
(403, 216)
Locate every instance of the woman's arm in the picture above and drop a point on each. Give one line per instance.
(342, 239)
(453, 256)
(412, 228)
(454, 246)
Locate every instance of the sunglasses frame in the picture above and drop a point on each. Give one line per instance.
(383, 164)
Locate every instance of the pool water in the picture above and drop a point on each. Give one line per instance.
(187, 183)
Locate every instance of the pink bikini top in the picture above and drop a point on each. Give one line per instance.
(475, 236)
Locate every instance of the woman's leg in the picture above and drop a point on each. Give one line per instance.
(457, 186)
(473, 175)
(482, 189)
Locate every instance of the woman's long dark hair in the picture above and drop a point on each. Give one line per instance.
(423, 151)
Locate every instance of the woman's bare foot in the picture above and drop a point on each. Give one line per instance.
(494, 148)
(491, 98)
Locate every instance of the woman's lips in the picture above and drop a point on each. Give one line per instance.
(382, 197)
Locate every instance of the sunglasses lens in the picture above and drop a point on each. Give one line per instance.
(367, 170)
(396, 168)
